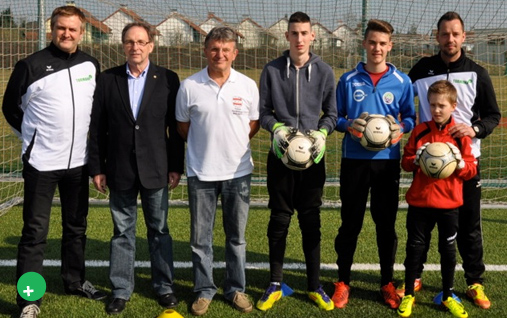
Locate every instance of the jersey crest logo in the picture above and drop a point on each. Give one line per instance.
(359, 95)
(237, 103)
(388, 98)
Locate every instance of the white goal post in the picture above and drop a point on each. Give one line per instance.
(338, 24)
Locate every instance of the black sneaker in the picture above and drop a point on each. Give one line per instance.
(88, 291)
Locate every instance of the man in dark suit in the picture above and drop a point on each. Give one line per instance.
(134, 148)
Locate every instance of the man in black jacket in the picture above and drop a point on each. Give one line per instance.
(49, 98)
(476, 115)
(135, 148)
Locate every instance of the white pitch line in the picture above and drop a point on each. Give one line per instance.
(294, 266)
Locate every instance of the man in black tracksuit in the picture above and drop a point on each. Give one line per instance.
(48, 102)
(476, 115)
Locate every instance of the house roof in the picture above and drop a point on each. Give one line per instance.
(129, 13)
(482, 35)
(90, 19)
(318, 24)
(133, 15)
(253, 22)
(95, 22)
(344, 26)
(212, 16)
(280, 20)
(257, 25)
(186, 20)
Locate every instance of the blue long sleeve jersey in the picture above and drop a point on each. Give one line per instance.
(356, 94)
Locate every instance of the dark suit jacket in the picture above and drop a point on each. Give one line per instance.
(127, 150)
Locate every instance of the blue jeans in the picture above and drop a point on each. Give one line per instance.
(203, 199)
(123, 206)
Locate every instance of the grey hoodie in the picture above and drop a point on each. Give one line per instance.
(298, 97)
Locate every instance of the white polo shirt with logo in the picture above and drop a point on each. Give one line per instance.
(218, 144)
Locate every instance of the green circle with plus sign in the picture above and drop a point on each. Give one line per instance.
(31, 286)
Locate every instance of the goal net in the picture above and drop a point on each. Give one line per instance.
(338, 24)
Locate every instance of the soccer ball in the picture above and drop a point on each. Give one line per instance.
(437, 160)
(377, 134)
(298, 155)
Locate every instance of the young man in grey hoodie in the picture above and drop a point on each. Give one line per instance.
(295, 89)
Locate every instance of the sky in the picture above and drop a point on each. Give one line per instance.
(402, 14)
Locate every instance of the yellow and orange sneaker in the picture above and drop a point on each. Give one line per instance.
(476, 293)
(341, 294)
(321, 299)
(271, 295)
(390, 297)
(400, 290)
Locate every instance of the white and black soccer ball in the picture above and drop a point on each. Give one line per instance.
(437, 160)
(377, 133)
(299, 154)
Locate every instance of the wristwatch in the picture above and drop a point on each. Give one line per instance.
(476, 129)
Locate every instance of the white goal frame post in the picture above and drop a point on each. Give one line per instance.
(339, 24)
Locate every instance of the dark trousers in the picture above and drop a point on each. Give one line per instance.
(380, 179)
(470, 231)
(291, 190)
(39, 187)
(420, 223)
(469, 240)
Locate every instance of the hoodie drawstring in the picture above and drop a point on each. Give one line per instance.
(309, 69)
(288, 66)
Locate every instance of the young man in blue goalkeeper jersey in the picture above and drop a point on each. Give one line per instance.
(374, 87)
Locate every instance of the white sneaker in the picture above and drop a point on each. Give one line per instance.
(30, 311)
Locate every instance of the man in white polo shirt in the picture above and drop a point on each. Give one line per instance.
(217, 110)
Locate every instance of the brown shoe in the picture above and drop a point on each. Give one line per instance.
(242, 303)
(200, 306)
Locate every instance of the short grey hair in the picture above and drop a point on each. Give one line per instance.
(225, 34)
(144, 25)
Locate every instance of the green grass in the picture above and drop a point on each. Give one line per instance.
(364, 300)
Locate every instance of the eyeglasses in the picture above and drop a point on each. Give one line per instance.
(131, 43)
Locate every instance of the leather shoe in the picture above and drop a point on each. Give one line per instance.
(86, 290)
(168, 300)
(116, 306)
